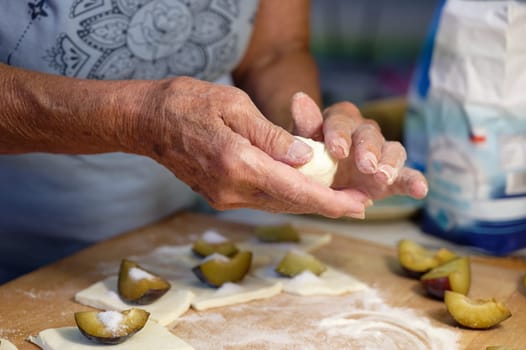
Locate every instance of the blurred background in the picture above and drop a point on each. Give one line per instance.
(366, 52)
(366, 49)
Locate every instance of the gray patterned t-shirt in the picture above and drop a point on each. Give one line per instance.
(126, 39)
(93, 197)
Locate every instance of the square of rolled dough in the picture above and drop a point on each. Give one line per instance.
(152, 336)
(104, 295)
(6, 345)
(249, 289)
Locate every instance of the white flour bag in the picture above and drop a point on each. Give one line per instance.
(466, 125)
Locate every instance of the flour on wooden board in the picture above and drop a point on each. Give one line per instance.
(361, 320)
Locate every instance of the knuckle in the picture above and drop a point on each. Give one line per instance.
(271, 138)
(371, 123)
(344, 107)
(221, 198)
(237, 97)
(370, 132)
(395, 144)
(398, 148)
(341, 113)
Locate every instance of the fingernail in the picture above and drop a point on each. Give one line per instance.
(368, 203)
(357, 211)
(369, 163)
(355, 215)
(340, 148)
(298, 94)
(423, 187)
(389, 172)
(299, 151)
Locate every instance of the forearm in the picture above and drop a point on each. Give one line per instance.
(273, 84)
(49, 113)
(278, 63)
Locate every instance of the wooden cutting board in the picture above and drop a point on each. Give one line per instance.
(44, 298)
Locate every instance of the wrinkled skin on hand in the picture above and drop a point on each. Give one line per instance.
(367, 162)
(215, 140)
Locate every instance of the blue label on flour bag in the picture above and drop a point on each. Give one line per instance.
(468, 132)
(477, 177)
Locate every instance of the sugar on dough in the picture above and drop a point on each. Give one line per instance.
(152, 336)
(330, 282)
(322, 167)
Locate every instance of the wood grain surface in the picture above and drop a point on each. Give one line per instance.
(44, 298)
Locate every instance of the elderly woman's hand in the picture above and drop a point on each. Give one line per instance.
(215, 139)
(367, 162)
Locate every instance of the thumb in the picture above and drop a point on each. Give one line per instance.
(279, 144)
(306, 116)
(270, 138)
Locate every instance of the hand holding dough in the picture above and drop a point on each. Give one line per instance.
(322, 167)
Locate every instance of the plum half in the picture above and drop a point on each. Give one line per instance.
(110, 327)
(216, 271)
(417, 260)
(139, 286)
(454, 275)
(476, 314)
(277, 233)
(296, 262)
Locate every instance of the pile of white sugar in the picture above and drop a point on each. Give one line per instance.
(112, 321)
(213, 237)
(137, 274)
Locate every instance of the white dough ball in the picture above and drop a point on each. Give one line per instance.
(322, 167)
